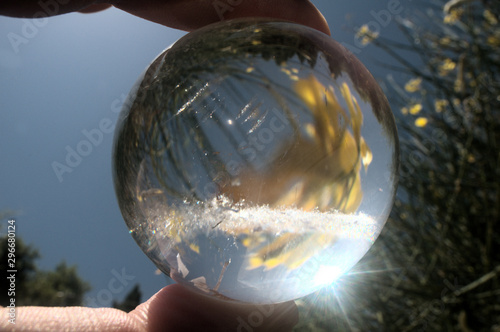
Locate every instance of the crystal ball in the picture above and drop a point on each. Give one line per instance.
(255, 160)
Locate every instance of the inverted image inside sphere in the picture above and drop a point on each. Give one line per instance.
(256, 161)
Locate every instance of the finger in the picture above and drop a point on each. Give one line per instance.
(180, 14)
(43, 319)
(173, 308)
(176, 308)
(192, 14)
(41, 8)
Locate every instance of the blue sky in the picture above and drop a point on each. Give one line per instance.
(65, 77)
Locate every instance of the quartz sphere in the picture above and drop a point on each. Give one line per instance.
(255, 160)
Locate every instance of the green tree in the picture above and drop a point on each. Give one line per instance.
(438, 259)
(60, 287)
(131, 300)
(25, 257)
(34, 287)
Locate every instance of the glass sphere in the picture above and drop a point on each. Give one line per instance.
(255, 160)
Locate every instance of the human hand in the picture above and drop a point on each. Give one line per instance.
(180, 14)
(174, 308)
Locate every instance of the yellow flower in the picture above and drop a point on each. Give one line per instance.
(286, 71)
(404, 110)
(440, 104)
(289, 249)
(323, 170)
(421, 122)
(364, 29)
(447, 66)
(413, 85)
(344, 149)
(453, 16)
(448, 19)
(366, 35)
(292, 73)
(415, 109)
(354, 111)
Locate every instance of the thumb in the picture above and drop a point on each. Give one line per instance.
(176, 308)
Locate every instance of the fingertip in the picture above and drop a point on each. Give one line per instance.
(190, 15)
(298, 11)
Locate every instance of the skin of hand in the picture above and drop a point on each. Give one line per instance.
(185, 15)
(174, 308)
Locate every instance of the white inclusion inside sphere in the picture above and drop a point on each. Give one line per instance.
(255, 161)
